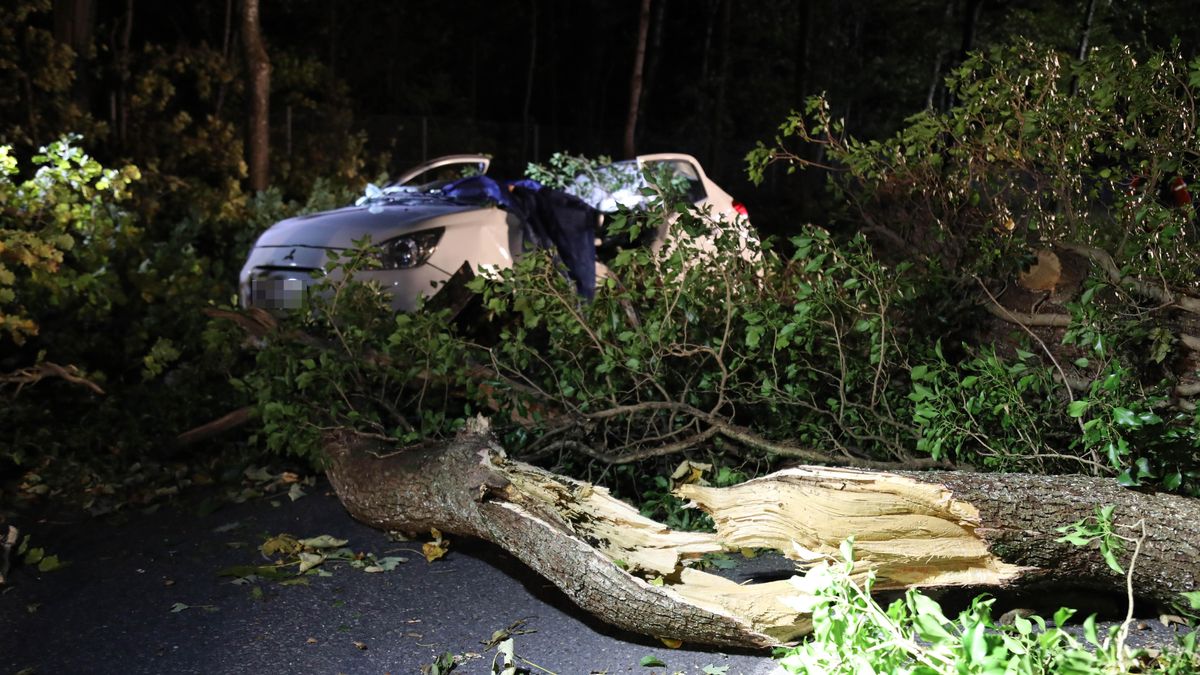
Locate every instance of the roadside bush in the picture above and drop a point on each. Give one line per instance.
(1048, 201)
(106, 352)
(886, 343)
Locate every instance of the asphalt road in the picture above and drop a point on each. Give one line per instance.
(111, 609)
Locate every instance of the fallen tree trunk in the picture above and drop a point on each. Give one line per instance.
(913, 529)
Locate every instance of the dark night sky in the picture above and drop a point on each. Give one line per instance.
(424, 78)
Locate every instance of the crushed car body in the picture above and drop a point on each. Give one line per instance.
(447, 212)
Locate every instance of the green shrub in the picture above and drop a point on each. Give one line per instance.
(1040, 153)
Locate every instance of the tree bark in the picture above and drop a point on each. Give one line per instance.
(718, 113)
(526, 113)
(258, 67)
(653, 59)
(939, 529)
(74, 24)
(635, 79)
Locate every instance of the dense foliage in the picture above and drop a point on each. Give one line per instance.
(1042, 156)
(898, 340)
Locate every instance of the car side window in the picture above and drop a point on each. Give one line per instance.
(678, 174)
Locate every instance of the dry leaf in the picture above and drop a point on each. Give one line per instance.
(437, 548)
(433, 550)
(671, 642)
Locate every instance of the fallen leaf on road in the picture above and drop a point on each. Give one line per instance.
(323, 541)
(309, 561)
(282, 544)
(432, 550)
(1168, 619)
(671, 642)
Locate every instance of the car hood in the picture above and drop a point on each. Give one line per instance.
(342, 227)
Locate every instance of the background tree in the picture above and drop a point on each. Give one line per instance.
(635, 79)
(258, 68)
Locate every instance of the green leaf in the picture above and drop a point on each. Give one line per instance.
(34, 556)
(1126, 417)
(651, 661)
(976, 642)
(1193, 598)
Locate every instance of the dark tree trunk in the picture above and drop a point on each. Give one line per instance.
(123, 63)
(74, 24)
(653, 58)
(936, 84)
(718, 114)
(526, 113)
(226, 42)
(800, 72)
(1086, 32)
(258, 67)
(1084, 35)
(970, 23)
(912, 529)
(635, 79)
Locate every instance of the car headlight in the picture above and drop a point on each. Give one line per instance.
(409, 251)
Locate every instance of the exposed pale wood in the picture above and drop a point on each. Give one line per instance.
(1025, 319)
(910, 528)
(1044, 274)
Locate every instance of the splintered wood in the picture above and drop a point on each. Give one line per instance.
(909, 529)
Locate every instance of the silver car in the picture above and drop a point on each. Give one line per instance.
(422, 236)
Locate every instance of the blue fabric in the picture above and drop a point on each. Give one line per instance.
(475, 189)
(483, 188)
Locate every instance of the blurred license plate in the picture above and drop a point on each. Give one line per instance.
(277, 293)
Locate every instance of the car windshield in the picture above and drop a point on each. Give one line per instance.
(375, 196)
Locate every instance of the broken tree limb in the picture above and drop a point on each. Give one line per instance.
(912, 529)
(1157, 292)
(1025, 319)
(39, 372)
(220, 425)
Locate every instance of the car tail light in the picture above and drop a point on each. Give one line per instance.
(1179, 192)
(741, 208)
